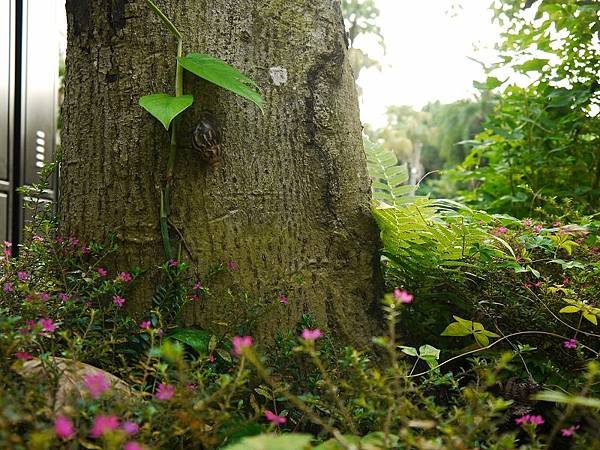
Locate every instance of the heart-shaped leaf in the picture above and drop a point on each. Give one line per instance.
(222, 74)
(165, 107)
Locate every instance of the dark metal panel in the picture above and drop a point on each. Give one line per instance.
(40, 74)
(6, 84)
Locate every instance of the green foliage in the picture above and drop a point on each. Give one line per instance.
(464, 327)
(165, 107)
(538, 153)
(222, 74)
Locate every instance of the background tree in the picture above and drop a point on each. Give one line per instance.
(360, 17)
(289, 202)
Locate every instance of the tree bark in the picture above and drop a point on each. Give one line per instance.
(290, 199)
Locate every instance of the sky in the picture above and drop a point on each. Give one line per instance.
(428, 45)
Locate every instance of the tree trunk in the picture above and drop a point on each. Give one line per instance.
(289, 201)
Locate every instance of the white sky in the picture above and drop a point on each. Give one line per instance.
(428, 43)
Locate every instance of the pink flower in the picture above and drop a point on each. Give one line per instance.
(173, 263)
(63, 297)
(73, 241)
(240, 343)
(22, 276)
(130, 427)
(211, 358)
(274, 418)
(125, 277)
(538, 228)
(191, 387)
(38, 238)
(102, 271)
(527, 285)
(197, 286)
(165, 391)
(9, 286)
(7, 244)
(44, 296)
(311, 335)
(403, 296)
(96, 383)
(145, 325)
(104, 424)
(528, 222)
(529, 418)
(566, 281)
(556, 224)
(232, 265)
(132, 445)
(283, 299)
(502, 230)
(570, 344)
(47, 325)
(568, 432)
(195, 298)
(538, 284)
(23, 356)
(63, 427)
(118, 300)
(85, 250)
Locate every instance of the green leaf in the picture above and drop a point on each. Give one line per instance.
(291, 441)
(533, 65)
(429, 351)
(456, 329)
(481, 339)
(569, 309)
(591, 317)
(165, 107)
(410, 351)
(222, 74)
(197, 339)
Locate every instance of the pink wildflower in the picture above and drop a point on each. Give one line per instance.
(23, 276)
(283, 299)
(125, 277)
(195, 298)
(173, 263)
(502, 230)
(145, 325)
(165, 391)
(530, 418)
(197, 286)
(232, 265)
(96, 383)
(566, 281)
(47, 325)
(538, 228)
(211, 358)
(403, 296)
(104, 424)
(73, 241)
(527, 222)
(23, 356)
(311, 335)
(38, 238)
(132, 445)
(570, 344)
(63, 427)
(118, 300)
(130, 427)
(274, 418)
(63, 297)
(568, 432)
(538, 284)
(85, 250)
(556, 224)
(44, 296)
(102, 271)
(191, 387)
(527, 285)
(9, 286)
(240, 343)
